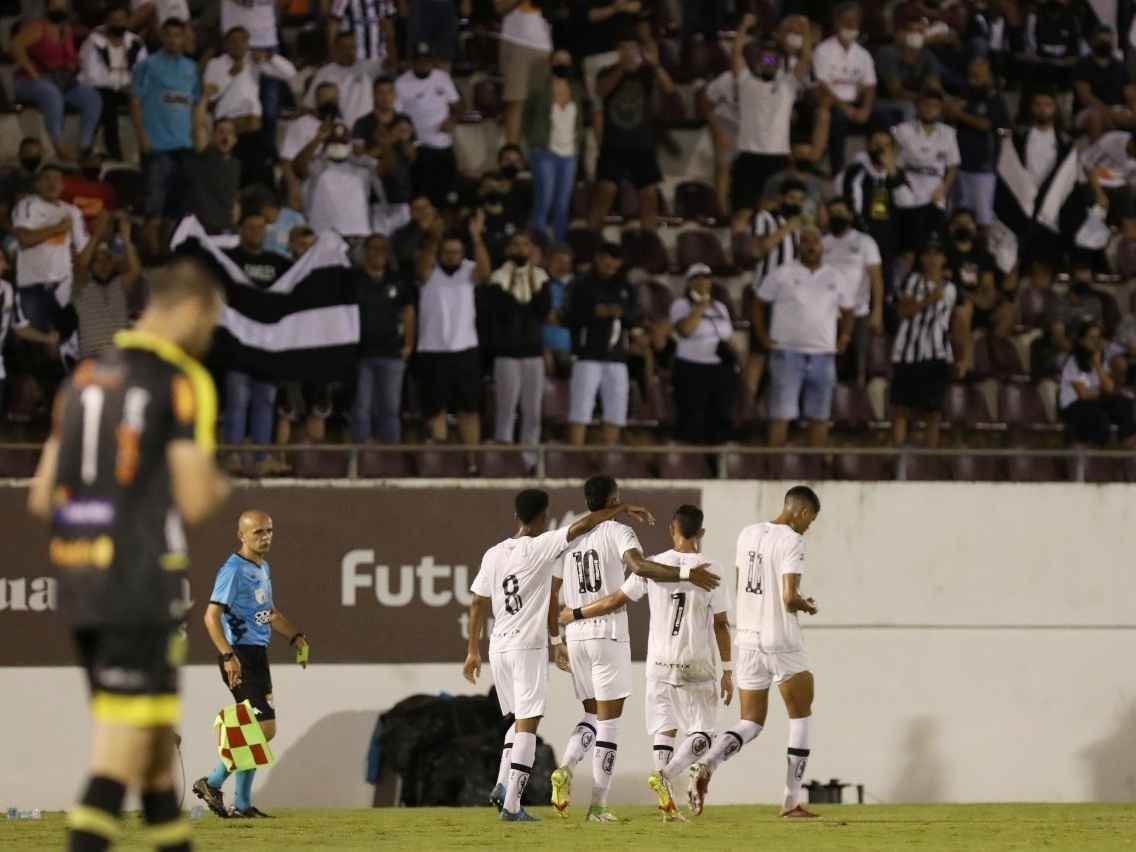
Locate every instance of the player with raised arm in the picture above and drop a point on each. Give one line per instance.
(515, 579)
(129, 459)
(770, 562)
(241, 618)
(599, 649)
(686, 623)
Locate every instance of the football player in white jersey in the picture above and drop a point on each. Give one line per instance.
(514, 576)
(599, 649)
(771, 650)
(686, 623)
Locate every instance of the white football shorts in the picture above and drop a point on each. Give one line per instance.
(687, 708)
(601, 668)
(757, 670)
(521, 678)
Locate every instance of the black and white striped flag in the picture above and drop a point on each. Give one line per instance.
(1019, 200)
(304, 328)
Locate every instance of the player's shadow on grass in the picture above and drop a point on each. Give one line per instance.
(921, 777)
(325, 768)
(1112, 762)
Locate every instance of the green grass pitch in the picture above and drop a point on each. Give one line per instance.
(852, 827)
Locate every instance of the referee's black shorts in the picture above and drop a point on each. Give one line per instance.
(256, 680)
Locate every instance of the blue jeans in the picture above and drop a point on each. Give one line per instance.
(554, 177)
(378, 400)
(51, 102)
(39, 305)
(800, 385)
(248, 409)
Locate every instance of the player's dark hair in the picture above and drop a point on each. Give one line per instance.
(689, 520)
(791, 185)
(598, 490)
(530, 504)
(191, 274)
(803, 494)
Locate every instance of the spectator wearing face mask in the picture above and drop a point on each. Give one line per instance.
(388, 135)
(428, 95)
(846, 78)
(1047, 46)
(905, 68)
(982, 303)
(943, 24)
(353, 77)
(705, 371)
(856, 256)
(1071, 311)
(818, 189)
(1105, 93)
(301, 131)
(553, 124)
(407, 241)
(340, 183)
(870, 184)
(1087, 398)
(16, 184)
(106, 60)
(766, 96)
(557, 337)
(518, 301)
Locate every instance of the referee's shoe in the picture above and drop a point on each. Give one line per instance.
(213, 798)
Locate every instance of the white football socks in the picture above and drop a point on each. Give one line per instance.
(603, 761)
(730, 743)
(662, 751)
(524, 752)
(581, 741)
(506, 759)
(800, 735)
(693, 749)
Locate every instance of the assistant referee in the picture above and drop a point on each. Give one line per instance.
(241, 619)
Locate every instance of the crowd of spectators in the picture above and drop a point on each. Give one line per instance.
(869, 183)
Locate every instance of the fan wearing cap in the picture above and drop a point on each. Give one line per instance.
(928, 153)
(339, 183)
(929, 319)
(428, 95)
(1105, 93)
(705, 372)
(766, 96)
(434, 23)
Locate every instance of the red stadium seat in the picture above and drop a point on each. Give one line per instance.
(487, 99)
(383, 464)
(747, 466)
(1020, 407)
(645, 249)
(319, 464)
(965, 406)
(792, 466)
(18, 463)
(696, 201)
(1111, 311)
(1033, 469)
(655, 299)
(862, 468)
(975, 469)
(926, 469)
(701, 247)
(1033, 305)
(1005, 360)
(1096, 469)
(721, 293)
(554, 403)
(501, 464)
(684, 466)
(624, 464)
(852, 407)
(563, 464)
(741, 252)
(879, 357)
(433, 463)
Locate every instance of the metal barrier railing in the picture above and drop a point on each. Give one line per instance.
(1076, 459)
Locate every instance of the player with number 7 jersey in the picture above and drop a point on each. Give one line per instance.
(515, 579)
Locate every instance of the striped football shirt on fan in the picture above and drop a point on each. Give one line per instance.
(363, 18)
(925, 336)
(764, 224)
(305, 327)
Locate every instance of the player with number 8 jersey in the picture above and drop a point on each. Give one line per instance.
(515, 579)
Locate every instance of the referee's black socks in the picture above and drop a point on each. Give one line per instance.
(93, 823)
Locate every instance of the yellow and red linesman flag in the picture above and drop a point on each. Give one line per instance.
(240, 739)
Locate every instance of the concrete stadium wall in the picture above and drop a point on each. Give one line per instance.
(974, 643)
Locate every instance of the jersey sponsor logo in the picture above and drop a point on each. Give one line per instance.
(85, 513)
(119, 678)
(674, 667)
(82, 552)
(263, 616)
